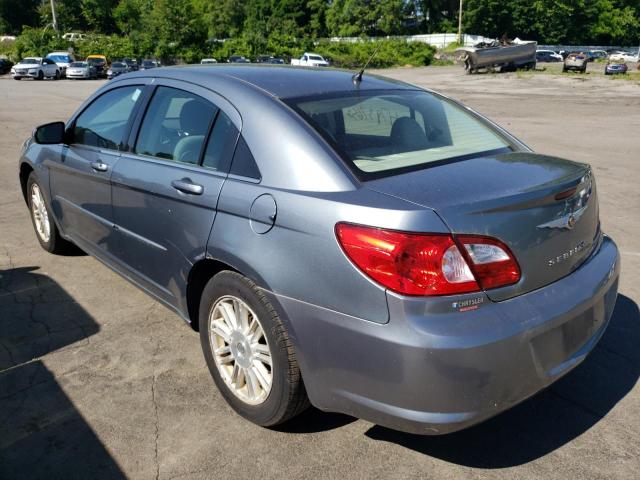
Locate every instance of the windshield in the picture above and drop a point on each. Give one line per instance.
(117, 65)
(316, 57)
(148, 63)
(391, 130)
(96, 61)
(79, 64)
(59, 58)
(30, 61)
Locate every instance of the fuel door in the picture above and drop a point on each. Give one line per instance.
(262, 215)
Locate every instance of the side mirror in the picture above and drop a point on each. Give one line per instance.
(49, 133)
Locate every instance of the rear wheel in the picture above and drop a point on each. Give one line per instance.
(249, 352)
(46, 230)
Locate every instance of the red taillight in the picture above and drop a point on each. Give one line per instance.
(427, 264)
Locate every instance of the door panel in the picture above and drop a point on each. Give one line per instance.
(81, 194)
(161, 229)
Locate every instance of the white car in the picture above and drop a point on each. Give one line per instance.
(310, 60)
(36, 68)
(73, 36)
(62, 59)
(208, 61)
(623, 57)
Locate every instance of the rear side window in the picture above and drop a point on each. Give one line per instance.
(103, 123)
(244, 164)
(175, 126)
(221, 143)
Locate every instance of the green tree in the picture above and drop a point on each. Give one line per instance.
(98, 15)
(14, 14)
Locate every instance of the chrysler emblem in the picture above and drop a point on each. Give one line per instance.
(573, 209)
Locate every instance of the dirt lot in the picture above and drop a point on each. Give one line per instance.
(99, 381)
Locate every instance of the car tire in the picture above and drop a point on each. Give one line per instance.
(40, 75)
(48, 236)
(240, 355)
(17, 78)
(57, 75)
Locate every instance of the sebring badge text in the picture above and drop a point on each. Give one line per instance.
(566, 255)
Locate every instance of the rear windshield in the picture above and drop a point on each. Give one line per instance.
(381, 132)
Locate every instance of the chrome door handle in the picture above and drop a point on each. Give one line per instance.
(187, 186)
(99, 166)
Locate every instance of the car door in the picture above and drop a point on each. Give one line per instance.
(79, 180)
(165, 190)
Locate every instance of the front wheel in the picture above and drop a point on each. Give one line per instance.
(57, 75)
(249, 352)
(47, 232)
(40, 75)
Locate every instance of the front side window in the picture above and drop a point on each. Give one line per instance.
(103, 124)
(175, 126)
(378, 133)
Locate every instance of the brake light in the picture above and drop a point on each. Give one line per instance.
(428, 264)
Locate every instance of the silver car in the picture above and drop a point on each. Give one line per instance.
(81, 70)
(353, 242)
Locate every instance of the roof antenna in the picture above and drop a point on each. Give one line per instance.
(357, 77)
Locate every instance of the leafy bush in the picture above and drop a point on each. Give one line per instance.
(390, 53)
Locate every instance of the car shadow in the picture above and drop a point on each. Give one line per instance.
(550, 419)
(42, 433)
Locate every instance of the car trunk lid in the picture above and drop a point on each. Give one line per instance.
(543, 208)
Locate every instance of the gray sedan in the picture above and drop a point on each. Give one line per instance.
(354, 243)
(81, 70)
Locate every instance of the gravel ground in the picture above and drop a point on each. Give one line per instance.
(99, 381)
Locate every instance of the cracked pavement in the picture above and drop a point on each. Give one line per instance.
(97, 380)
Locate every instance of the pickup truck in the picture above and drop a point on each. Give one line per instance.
(310, 60)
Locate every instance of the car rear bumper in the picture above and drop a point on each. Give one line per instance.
(435, 367)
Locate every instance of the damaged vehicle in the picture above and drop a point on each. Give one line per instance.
(498, 55)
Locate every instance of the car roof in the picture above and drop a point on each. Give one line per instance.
(281, 81)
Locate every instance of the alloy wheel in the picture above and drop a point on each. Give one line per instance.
(240, 350)
(40, 214)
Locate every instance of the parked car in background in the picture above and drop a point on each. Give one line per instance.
(36, 68)
(276, 61)
(576, 62)
(614, 68)
(81, 70)
(62, 59)
(621, 56)
(238, 59)
(208, 61)
(5, 66)
(547, 56)
(263, 58)
(597, 55)
(393, 256)
(100, 64)
(117, 68)
(310, 60)
(148, 64)
(132, 64)
(73, 36)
